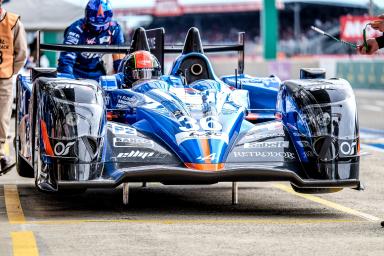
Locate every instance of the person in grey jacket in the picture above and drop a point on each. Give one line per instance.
(13, 53)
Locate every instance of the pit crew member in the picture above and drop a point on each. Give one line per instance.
(96, 28)
(13, 53)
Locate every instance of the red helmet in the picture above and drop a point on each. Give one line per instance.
(140, 65)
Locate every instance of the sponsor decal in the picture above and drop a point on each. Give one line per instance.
(331, 148)
(62, 149)
(348, 148)
(140, 154)
(266, 127)
(265, 135)
(121, 130)
(285, 155)
(107, 99)
(309, 154)
(132, 142)
(3, 44)
(269, 130)
(91, 40)
(89, 55)
(184, 136)
(267, 144)
(319, 87)
(73, 34)
(72, 40)
(209, 123)
(211, 157)
(105, 39)
(124, 101)
(152, 42)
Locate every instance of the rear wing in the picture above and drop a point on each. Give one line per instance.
(156, 40)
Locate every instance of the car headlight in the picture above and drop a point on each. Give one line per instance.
(324, 119)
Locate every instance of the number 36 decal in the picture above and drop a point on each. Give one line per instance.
(209, 123)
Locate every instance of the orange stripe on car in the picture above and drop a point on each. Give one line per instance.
(47, 143)
(205, 167)
(358, 145)
(206, 150)
(252, 117)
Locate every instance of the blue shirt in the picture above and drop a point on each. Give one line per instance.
(84, 64)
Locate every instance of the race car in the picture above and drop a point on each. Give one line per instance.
(187, 127)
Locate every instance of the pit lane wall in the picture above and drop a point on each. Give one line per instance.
(361, 72)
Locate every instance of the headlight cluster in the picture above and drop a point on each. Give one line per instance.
(71, 119)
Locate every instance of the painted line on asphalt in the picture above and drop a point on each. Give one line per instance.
(13, 206)
(328, 203)
(197, 221)
(24, 244)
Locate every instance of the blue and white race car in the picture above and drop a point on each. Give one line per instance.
(187, 127)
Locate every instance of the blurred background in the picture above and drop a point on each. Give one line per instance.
(278, 36)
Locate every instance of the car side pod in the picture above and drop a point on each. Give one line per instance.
(323, 121)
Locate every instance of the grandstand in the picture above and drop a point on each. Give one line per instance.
(220, 21)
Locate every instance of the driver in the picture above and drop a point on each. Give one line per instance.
(96, 28)
(138, 66)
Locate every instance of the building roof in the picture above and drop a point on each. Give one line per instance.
(345, 3)
(181, 7)
(45, 14)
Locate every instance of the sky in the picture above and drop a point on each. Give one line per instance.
(146, 3)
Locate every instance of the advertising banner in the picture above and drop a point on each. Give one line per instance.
(351, 28)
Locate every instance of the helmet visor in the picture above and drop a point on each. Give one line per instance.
(143, 73)
(99, 27)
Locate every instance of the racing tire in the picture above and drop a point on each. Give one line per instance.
(315, 190)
